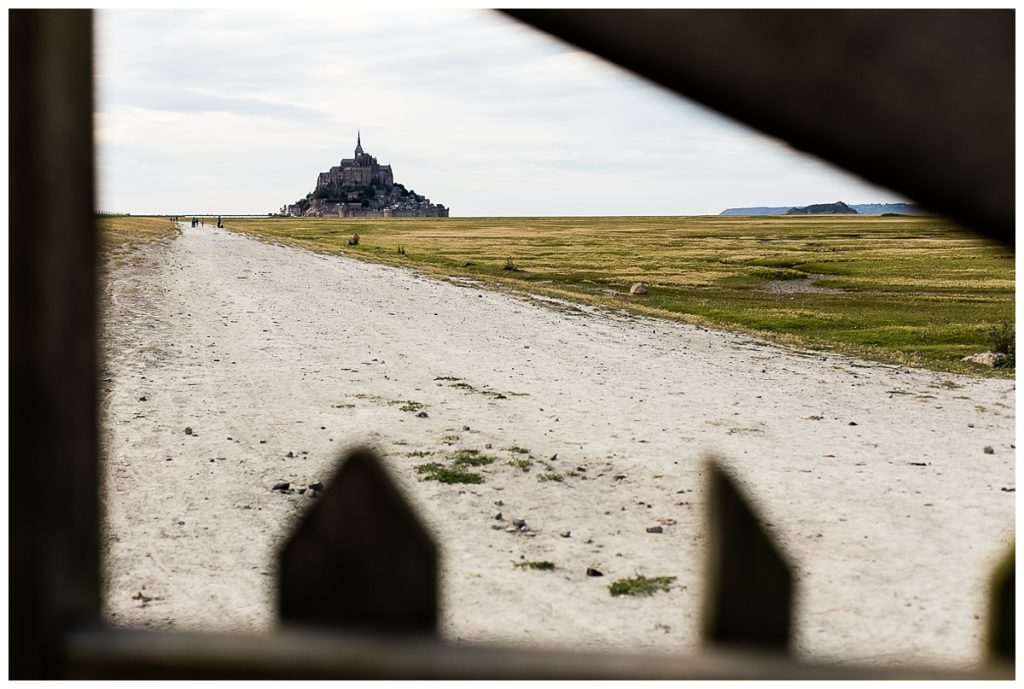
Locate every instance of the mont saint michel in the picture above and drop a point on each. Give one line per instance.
(362, 187)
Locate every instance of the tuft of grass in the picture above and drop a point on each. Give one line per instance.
(510, 265)
(551, 476)
(1004, 341)
(435, 471)
(471, 458)
(449, 439)
(407, 405)
(640, 586)
(544, 565)
(419, 453)
(516, 450)
(524, 464)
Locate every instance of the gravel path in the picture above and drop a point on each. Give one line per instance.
(873, 478)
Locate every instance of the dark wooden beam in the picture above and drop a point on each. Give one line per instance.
(296, 653)
(53, 469)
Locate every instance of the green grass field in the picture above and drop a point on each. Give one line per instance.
(119, 231)
(916, 291)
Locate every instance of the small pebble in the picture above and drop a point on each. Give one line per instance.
(989, 450)
(499, 503)
(655, 529)
(281, 485)
(465, 428)
(566, 534)
(487, 446)
(591, 572)
(553, 457)
(142, 399)
(290, 454)
(499, 516)
(316, 485)
(519, 523)
(853, 423)
(422, 415)
(188, 430)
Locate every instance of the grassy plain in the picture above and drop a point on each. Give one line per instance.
(118, 231)
(908, 290)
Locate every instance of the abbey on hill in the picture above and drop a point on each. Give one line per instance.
(362, 187)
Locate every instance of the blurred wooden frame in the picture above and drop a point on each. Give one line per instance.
(736, 61)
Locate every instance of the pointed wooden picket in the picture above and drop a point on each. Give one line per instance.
(748, 588)
(361, 559)
(1002, 638)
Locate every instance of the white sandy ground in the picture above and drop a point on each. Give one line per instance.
(247, 342)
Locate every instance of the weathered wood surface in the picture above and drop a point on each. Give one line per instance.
(53, 486)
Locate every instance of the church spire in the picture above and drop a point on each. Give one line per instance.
(359, 143)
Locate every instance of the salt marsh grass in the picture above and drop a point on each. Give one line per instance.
(911, 290)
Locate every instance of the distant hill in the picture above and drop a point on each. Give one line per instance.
(837, 208)
(870, 208)
(879, 208)
(757, 210)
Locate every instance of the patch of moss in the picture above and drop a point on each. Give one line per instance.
(544, 565)
(472, 458)
(407, 405)
(640, 586)
(524, 464)
(435, 471)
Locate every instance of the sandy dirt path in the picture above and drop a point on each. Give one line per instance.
(873, 478)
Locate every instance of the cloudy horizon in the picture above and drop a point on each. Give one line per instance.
(238, 111)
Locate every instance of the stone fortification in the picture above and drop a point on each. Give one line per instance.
(361, 187)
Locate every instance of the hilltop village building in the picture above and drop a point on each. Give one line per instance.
(360, 187)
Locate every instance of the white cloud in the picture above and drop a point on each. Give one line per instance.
(237, 111)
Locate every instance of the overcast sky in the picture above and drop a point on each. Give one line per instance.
(237, 111)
